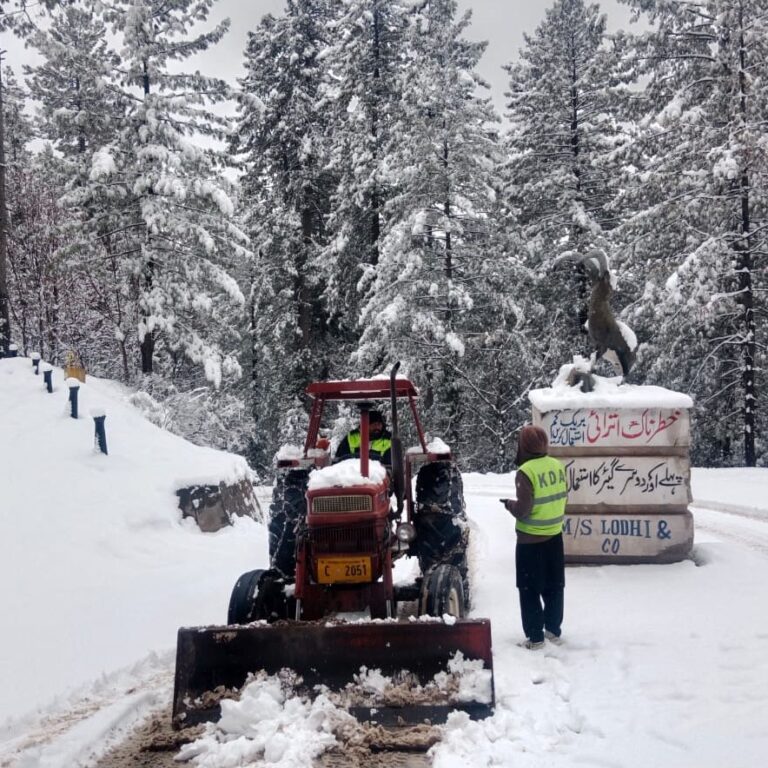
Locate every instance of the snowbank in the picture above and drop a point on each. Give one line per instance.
(102, 566)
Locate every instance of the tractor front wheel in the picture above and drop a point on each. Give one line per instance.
(257, 596)
(242, 602)
(442, 592)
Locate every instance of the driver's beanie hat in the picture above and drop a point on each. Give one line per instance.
(374, 416)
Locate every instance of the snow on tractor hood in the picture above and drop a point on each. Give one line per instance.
(346, 474)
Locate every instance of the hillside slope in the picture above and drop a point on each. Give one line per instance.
(73, 520)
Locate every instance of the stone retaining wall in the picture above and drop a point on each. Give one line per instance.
(215, 506)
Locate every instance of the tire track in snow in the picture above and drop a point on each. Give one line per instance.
(82, 727)
(744, 527)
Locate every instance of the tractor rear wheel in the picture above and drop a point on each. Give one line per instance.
(288, 507)
(442, 592)
(442, 530)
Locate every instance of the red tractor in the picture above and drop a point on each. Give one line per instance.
(335, 530)
(336, 542)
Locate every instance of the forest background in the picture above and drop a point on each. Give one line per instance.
(356, 198)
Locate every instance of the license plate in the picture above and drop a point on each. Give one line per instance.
(349, 570)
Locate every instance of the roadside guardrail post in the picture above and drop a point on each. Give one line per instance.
(100, 437)
(74, 388)
(47, 370)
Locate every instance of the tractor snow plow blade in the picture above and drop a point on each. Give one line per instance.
(212, 660)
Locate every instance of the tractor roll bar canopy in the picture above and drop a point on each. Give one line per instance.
(361, 389)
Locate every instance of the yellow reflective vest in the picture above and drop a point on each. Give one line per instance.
(550, 494)
(380, 445)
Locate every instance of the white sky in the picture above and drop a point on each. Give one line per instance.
(501, 22)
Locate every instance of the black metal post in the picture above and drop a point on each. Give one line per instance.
(74, 388)
(36, 362)
(100, 437)
(13, 350)
(47, 369)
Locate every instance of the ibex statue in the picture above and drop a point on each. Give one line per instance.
(610, 338)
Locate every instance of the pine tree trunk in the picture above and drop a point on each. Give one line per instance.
(581, 272)
(253, 392)
(453, 392)
(52, 320)
(124, 359)
(5, 308)
(147, 352)
(148, 342)
(375, 202)
(303, 293)
(748, 347)
(746, 294)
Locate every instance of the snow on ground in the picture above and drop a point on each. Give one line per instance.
(663, 665)
(97, 567)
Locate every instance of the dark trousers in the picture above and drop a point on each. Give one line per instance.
(540, 570)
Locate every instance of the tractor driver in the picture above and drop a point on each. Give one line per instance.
(380, 441)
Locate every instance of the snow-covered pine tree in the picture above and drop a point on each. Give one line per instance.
(280, 135)
(506, 353)
(14, 133)
(364, 65)
(17, 126)
(78, 106)
(50, 303)
(167, 203)
(81, 110)
(15, 15)
(565, 122)
(422, 291)
(46, 296)
(22, 16)
(701, 213)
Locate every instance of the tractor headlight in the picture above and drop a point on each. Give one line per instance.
(405, 533)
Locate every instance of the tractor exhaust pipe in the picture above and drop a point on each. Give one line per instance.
(398, 465)
(365, 434)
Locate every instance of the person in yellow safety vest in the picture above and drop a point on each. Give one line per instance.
(379, 442)
(542, 493)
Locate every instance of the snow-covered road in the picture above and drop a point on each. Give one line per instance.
(663, 665)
